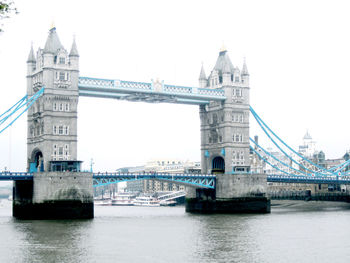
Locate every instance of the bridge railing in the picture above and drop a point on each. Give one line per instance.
(15, 176)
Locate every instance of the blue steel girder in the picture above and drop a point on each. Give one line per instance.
(194, 180)
(147, 92)
(15, 176)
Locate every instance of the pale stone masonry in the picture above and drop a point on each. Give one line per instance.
(225, 125)
(52, 120)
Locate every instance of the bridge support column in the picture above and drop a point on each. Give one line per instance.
(54, 195)
(234, 193)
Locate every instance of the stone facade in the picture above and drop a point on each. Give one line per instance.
(52, 120)
(225, 125)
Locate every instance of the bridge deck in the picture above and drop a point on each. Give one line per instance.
(198, 180)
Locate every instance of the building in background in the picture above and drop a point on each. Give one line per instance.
(308, 148)
(169, 166)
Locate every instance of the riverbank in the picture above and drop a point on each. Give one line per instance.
(300, 205)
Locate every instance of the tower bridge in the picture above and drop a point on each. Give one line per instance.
(54, 186)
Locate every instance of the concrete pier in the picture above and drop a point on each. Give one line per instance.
(54, 195)
(234, 193)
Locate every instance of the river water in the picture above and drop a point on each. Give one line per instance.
(293, 232)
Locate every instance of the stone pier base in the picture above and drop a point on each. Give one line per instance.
(234, 193)
(229, 206)
(54, 195)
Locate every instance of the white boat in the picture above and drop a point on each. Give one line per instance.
(124, 199)
(102, 201)
(167, 203)
(146, 201)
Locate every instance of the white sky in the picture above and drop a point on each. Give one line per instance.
(297, 52)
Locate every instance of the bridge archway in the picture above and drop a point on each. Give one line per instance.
(36, 160)
(218, 165)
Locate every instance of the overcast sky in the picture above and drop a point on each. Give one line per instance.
(297, 53)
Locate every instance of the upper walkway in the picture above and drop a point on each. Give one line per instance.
(147, 92)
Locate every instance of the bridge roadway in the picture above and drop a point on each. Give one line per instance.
(197, 180)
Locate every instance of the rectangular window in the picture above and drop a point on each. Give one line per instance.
(241, 155)
(60, 151)
(60, 130)
(67, 107)
(61, 106)
(66, 130)
(237, 137)
(62, 76)
(237, 117)
(55, 106)
(54, 129)
(62, 60)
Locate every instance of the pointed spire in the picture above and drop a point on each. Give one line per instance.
(222, 62)
(31, 57)
(74, 51)
(202, 74)
(307, 136)
(245, 69)
(53, 42)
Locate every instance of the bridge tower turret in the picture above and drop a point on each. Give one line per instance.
(202, 78)
(225, 125)
(52, 120)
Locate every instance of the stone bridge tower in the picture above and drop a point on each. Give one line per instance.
(52, 120)
(225, 125)
(225, 146)
(58, 189)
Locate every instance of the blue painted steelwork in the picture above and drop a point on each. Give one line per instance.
(25, 101)
(14, 176)
(275, 158)
(195, 180)
(262, 126)
(319, 168)
(146, 92)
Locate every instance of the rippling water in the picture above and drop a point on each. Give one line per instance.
(291, 233)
